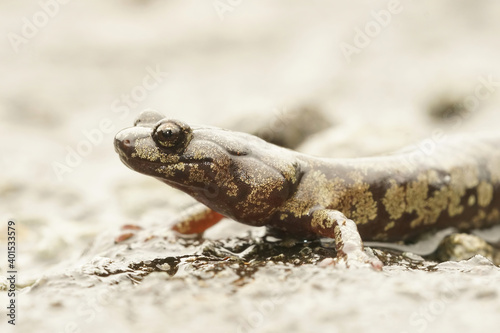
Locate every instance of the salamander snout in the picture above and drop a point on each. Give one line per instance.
(121, 143)
(125, 140)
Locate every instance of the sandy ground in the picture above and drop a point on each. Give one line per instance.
(75, 72)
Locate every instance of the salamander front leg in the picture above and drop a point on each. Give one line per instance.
(196, 220)
(348, 244)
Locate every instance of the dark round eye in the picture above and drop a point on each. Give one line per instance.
(168, 134)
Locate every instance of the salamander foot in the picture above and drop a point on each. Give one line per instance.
(348, 244)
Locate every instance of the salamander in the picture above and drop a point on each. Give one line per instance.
(394, 197)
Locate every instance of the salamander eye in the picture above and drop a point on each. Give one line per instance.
(172, 134)
(168, 134)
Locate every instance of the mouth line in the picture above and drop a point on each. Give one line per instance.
(190, 162)
(124, 157)
(121, 154)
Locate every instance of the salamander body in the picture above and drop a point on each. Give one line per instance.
(390, 198)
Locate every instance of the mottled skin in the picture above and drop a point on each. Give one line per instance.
(390, 198)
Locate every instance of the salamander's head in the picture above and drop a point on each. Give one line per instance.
(236, 174)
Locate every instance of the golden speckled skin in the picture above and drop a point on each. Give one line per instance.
(390, 198)
(399, 196)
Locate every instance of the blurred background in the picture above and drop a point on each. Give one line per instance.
(386, 73)
(73, 73)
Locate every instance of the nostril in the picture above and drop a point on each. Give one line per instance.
(126, 139)
(122, 144)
